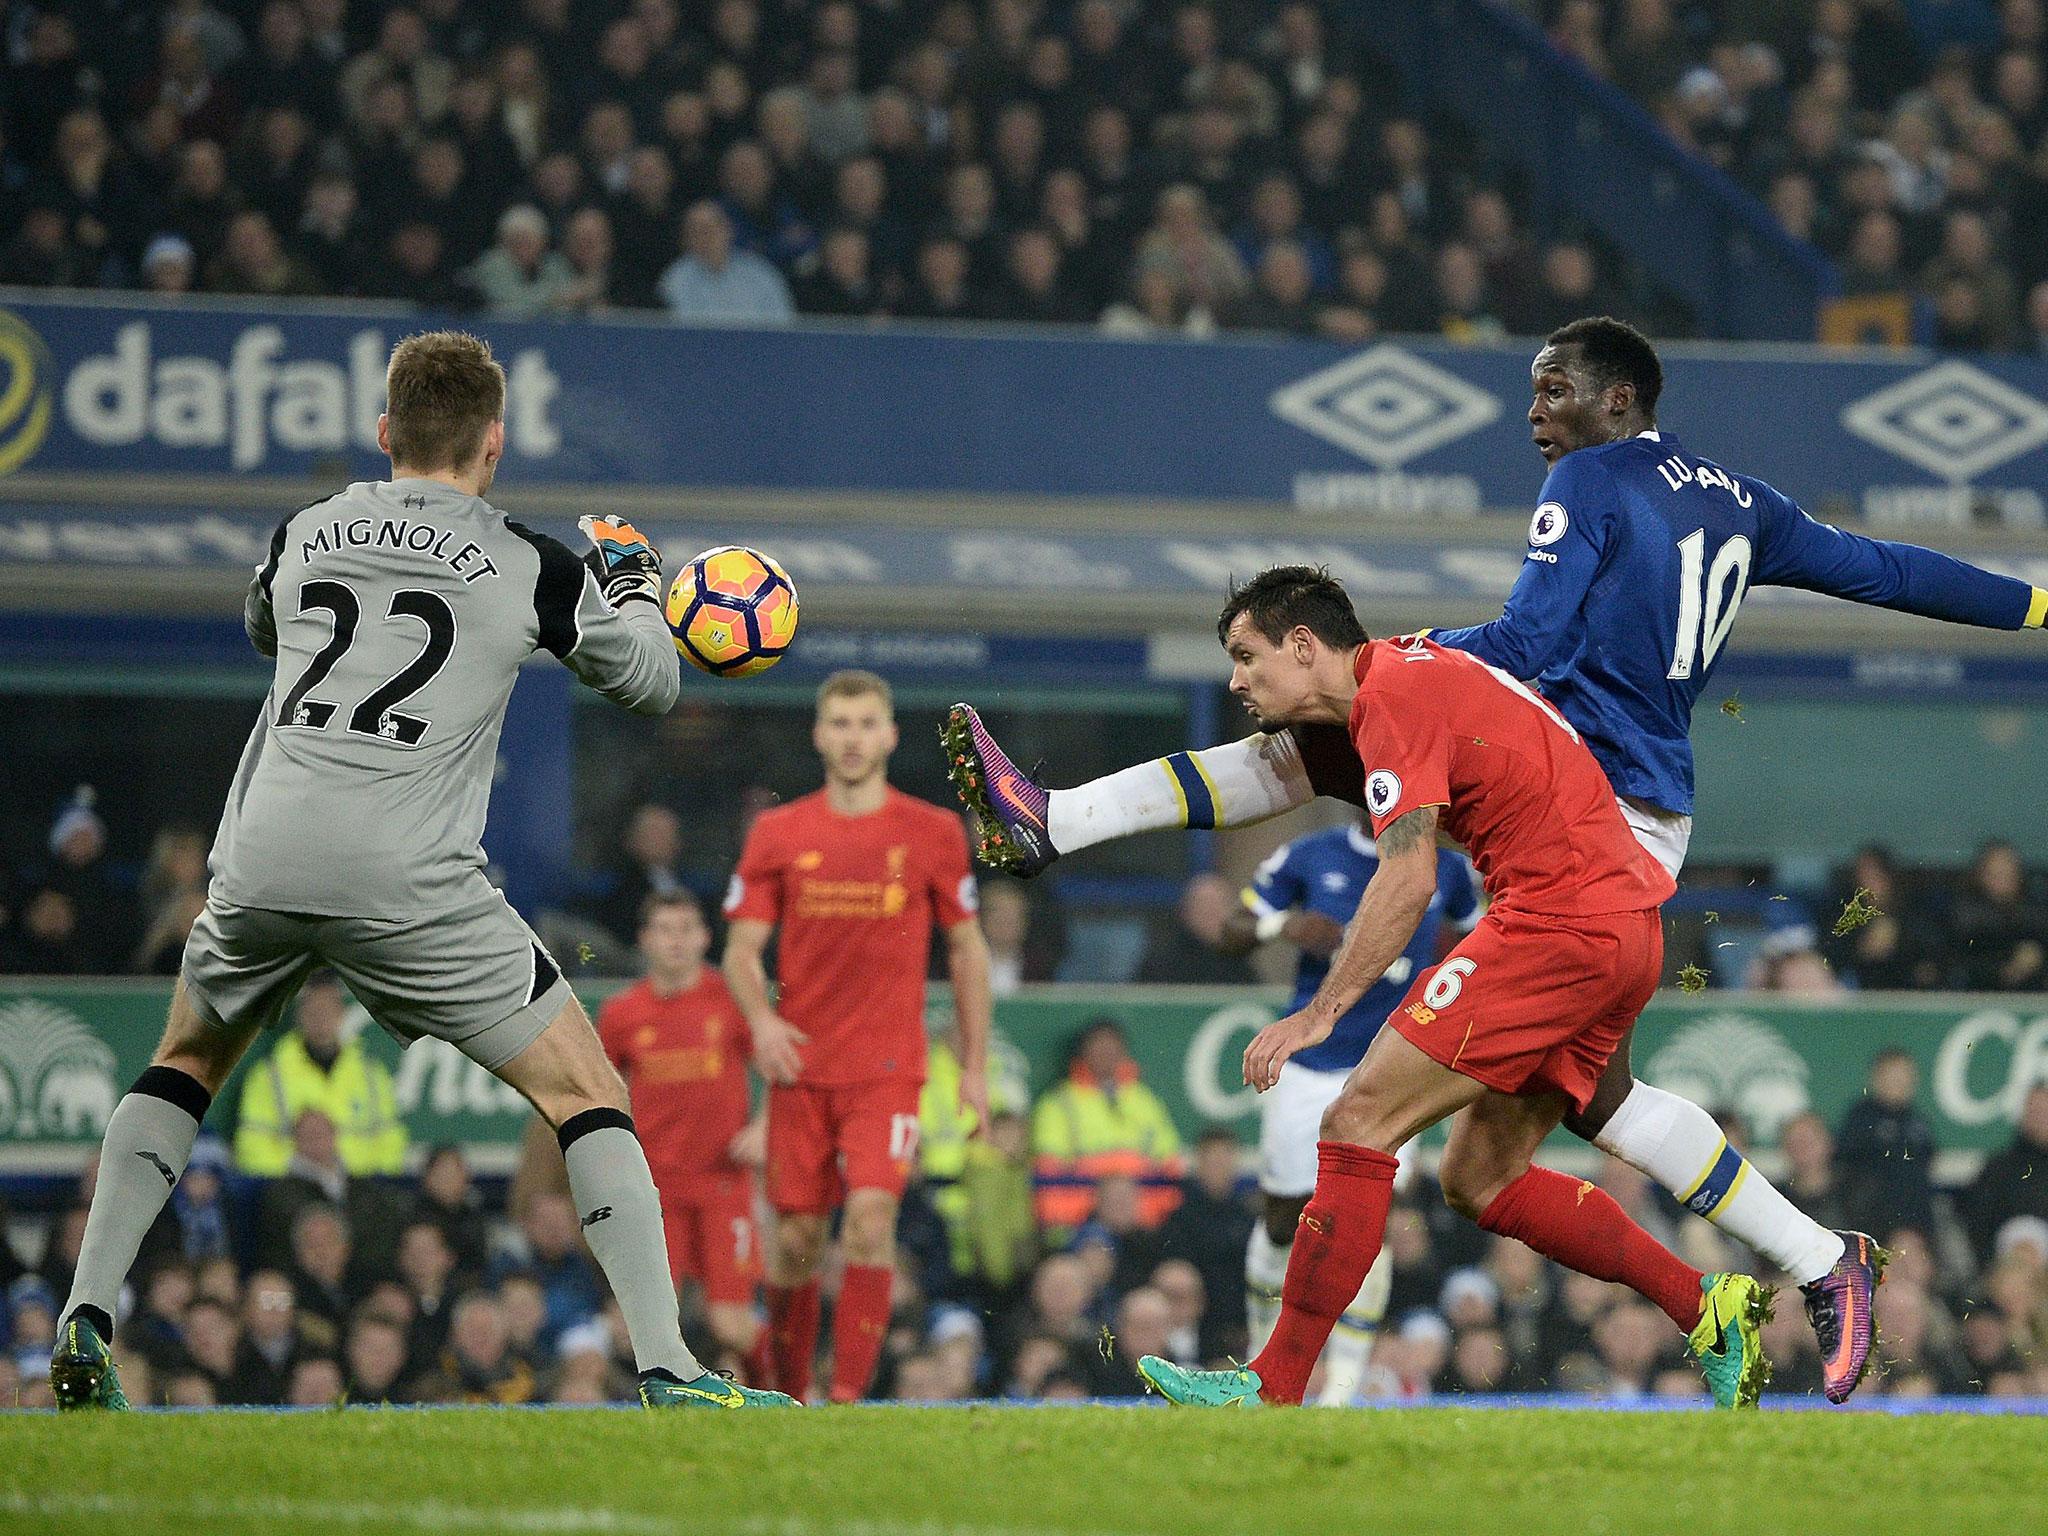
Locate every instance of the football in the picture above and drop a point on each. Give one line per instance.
(733, 611)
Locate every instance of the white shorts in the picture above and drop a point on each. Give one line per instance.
(1664, 833)
(1290, 1124)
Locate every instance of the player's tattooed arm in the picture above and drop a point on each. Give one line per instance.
(1395, 899)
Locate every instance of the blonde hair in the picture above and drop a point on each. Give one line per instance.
(853, 683)
(442, 392)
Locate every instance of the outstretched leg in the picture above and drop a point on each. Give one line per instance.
(1487, 1175)
(149, 1137)
(1677, 1144)
(1023, 826)
(565, 1075)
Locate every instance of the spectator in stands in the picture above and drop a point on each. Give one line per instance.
(321, 1251)
(269, 1344)
(1182, 245)
(252, 261)
(316, 1066)
(450, 1200)
(1997, 938)
(2036, 341)
(1281, 297)
(1885, 1151)
(416, 269)
(376, 1358)
(712, 281)
(1187, 951)
(1789, 961)
(1101, 1120)
(1892, 949)
(185, 81)
(1968, 260)
(843, 284)
(1157, 307)
(478, 1366)
(2013, 1181)
(1872, 265)
(101, 930)
(1466, 311)
(650, 863)
(763, 219)
(168, 265)
(1568, 287)
(427, 1265)
(556, 1257)
(313, 1176)
(520, 277)
(48, 938)
(333, 237)
(1811, 1182)
(1209, 1230)
(1033, 290)
(942, 289)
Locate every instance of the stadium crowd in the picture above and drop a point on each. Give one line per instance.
(1148, 167)
(74, 903)
(302, 1264)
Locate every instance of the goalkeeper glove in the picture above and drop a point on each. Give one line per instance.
(626, 565)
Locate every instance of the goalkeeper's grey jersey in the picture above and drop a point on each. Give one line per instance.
(399, 613)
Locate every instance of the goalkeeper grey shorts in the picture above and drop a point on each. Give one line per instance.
(475, 975)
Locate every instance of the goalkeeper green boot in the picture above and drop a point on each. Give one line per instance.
(1237, 1387)
(82, 1371)
(1728, 1340)
(660, 1389)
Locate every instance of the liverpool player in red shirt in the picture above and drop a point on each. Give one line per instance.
(679, 1041)
(856, 875)
(1513, 1029)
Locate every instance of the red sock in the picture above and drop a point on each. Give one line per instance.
(793, 1336)
(858, 1324)
(1334, 1245)
(760, 1366)
(1579, 1225)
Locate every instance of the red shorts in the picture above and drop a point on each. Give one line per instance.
(712, 1237)
(824, 1141)
(1532, 1004)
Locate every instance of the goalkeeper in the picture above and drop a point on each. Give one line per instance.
(399, 613)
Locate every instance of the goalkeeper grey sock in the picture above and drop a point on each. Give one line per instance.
(614, 1192)
(149, 1136)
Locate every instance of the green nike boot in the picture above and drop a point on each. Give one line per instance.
(660, 1389)
(82, 1371)
(1728, 1340)
(1234, 1388)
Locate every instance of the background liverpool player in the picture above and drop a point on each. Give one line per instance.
(679, 1041)
(856, 875)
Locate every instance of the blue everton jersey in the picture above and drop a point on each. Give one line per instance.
(1640, 554)
(1326, 872)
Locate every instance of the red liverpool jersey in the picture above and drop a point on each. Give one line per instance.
(684, 1058)
(1519, 790)
(856, 898)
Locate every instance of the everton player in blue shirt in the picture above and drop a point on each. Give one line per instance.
(1640, 553)
(1305, 893)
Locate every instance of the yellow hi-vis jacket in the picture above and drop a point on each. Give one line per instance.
(356, 1093)
(1082, 1132)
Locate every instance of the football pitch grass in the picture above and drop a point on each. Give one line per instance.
(1090, 1471)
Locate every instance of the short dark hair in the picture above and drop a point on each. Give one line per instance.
(1615, 352)
(1279, 599)
(442, 392)
(661, 901)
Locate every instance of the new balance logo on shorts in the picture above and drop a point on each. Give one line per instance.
(597, 1215)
